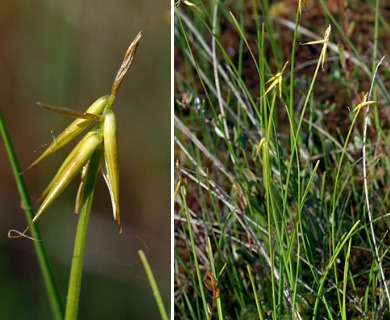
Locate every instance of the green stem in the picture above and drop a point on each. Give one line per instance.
(153, 285)
(72, 303)
(54, 298)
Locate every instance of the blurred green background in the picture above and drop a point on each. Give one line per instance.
(66, 53)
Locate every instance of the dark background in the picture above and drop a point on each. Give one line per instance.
(66, 53)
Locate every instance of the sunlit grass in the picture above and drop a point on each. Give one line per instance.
(262, 181)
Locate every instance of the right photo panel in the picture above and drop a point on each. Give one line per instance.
(281, 167)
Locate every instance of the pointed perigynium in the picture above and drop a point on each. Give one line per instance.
(73, 130)
(81, 156)
(111, 162)
(104, 131)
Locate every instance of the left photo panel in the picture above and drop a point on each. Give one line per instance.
(85, 92)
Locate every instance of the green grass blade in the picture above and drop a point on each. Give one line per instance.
(331, 263)
(218, 300)
(195, 257)
(346, 271)
(153, 285)
(54, 298)
(258, 305)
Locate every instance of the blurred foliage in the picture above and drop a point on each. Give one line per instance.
(66, 54)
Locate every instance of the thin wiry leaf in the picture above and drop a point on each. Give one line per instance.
(71, 113)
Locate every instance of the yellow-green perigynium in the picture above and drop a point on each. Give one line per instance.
(74, 129)
(81, 155)
(101, 119)
(111, 161)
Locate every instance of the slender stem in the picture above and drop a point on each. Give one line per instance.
(153, 285)
(367, 197)
(54, 298)
(72, 303)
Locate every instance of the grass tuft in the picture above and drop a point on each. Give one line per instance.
(272, 183)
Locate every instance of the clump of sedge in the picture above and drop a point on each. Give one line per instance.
(102, 133)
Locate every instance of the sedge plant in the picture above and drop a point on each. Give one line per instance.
(96, 151)
(102, 133)
(267, 189)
